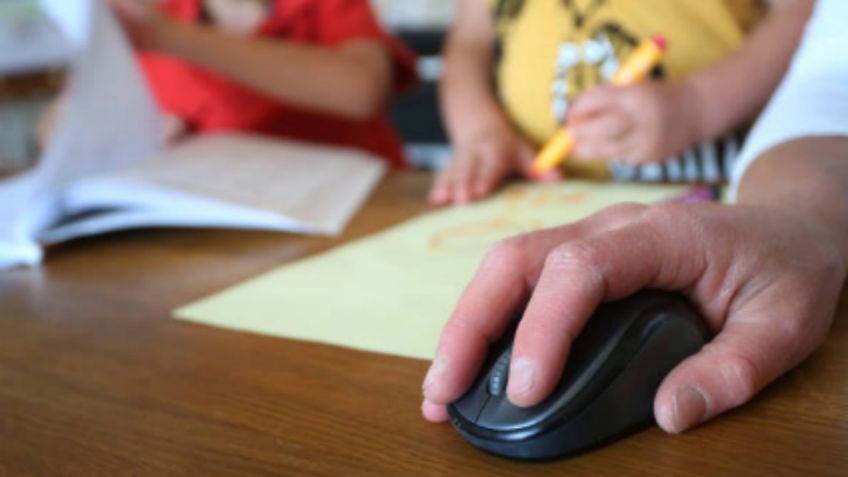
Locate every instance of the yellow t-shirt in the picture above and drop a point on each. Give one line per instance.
(551, 50)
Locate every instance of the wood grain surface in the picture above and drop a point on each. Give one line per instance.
(97, 379)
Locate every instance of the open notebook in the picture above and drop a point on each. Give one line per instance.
(223, 181)
(213, 181)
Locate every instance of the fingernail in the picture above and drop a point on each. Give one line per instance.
(522, 377)
(436, 370)
(689, 407)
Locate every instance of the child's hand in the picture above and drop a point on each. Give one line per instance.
(648, 122)
(481, 163)
(47, 122)
(174, 129)
(142, 22)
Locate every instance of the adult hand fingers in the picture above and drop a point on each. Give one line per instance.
(483, 310)
(760, 341)
(578, 275)
(487, 305)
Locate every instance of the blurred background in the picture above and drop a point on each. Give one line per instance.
(34, 57)
(422, 25)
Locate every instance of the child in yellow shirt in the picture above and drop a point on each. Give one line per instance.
(516, 70)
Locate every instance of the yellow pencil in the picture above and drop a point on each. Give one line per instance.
(635, 68)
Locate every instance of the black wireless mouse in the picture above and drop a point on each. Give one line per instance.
(607, 387)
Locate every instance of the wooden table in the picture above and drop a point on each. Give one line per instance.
(97, 379)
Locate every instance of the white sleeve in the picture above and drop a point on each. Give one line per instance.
(812, 100)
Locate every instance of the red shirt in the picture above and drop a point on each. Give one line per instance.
(209, 102)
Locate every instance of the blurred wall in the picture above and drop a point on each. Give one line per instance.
(422, 25)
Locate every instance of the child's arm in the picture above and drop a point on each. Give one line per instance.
(487, 146)
(654, 121)
(353, 80)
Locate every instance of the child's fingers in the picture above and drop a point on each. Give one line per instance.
(442, 191)
(463, 179)
(594, 149)
(490, 172)
(591, 102)
(497, 165)
(526, 158)
(611, 124)
(131, 10)
(606, 136)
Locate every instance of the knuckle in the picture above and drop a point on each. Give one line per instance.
(804, 326)
(544, 330)
(623, 210)
(506, 252)
(578, 255)
(676, 214)
(741, 377)
(791, 329)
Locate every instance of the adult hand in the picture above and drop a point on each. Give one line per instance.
(766, 280)
(481, 163)
(647, 122)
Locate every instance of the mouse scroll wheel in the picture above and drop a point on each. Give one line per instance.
(500, 373)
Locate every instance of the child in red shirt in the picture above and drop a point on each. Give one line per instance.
(311, 70)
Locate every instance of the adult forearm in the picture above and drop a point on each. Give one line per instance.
(736, 89)
(349, 81)
(809, 176)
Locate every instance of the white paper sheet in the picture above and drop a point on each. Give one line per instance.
(109, 121)
(74, 17)
(16, 245)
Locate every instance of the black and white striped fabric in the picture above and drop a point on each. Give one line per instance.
(709, 163)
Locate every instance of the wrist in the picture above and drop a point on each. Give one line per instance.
(468, 136)
(822, 231)
(827, 233)
(476, 117)
(470, 113)
(807, 177)
(692, 103)
(168, 36)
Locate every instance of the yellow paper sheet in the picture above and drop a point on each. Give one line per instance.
(392, 292)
